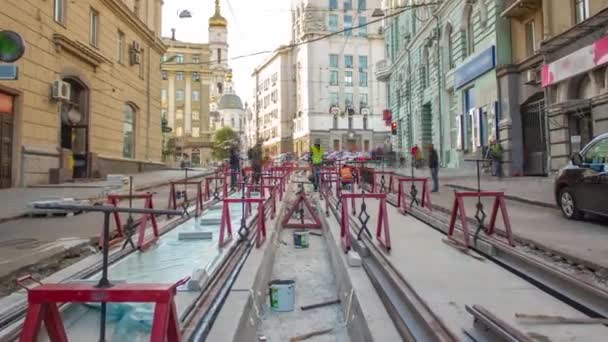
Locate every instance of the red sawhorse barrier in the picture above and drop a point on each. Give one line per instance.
(381, 227)
(458, 207)
(198, 197)
(226, 221)
(266, 180)
(377, 185)
(402, 195)
(43, 304)
(299, 204)
(272, 191)
(327, 179)
(215, 178)
(143, 221)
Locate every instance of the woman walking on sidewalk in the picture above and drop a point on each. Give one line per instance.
(434, 166)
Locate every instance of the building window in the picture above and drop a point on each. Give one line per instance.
(196, 59)
(581, 10)
(179, 58)
(196, 132)
(426, 71)
(196, 115)
(469, 38)
(362, 5)
(333, 4)
(164, 75)
(128, 132)
(348, 5)
(93, 27)
(179, 95)
(365, 122)
(120, 53)
(363, 79)
(350, 122)
(178, 131)
(362, 62)
(219, 56)
(196, 95)
(179, 76)
(336, 145)
(348, 25)
(179, 114)
(530, 38)
(449, 47)
(333, 77)
(333, 23)
(348, 99)
(362, 26)
(334, 99)
(363, 100)
(163, 95)
(333, 61)
(196, 76)
(59, 11)
(348, 78)
(335, 122)
(348, 61)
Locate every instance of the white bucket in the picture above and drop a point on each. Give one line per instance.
(282, 295)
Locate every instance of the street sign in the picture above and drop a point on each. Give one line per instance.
(9, 72)
(12, 46)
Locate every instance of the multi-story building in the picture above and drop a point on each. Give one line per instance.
(275, 97)
(185, 101)
(87, 101)
(441, 74)
(230, 110)
(336, 99)
(194, 79)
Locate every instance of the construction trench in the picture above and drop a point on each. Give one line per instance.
(277, 261)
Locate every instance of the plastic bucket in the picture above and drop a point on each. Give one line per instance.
(282, 295)
(300, 239)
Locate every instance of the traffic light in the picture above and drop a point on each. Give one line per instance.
(11, 46)
(394, 128)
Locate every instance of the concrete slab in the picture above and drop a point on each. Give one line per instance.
(448, 280)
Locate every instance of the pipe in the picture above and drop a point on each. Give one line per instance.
(148, 105)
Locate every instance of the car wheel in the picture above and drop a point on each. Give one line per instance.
(567, 204)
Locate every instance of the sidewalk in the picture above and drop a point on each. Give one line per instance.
(531, 190)
(15, 200)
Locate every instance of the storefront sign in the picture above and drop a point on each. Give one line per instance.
(476, 67)
(576, 63)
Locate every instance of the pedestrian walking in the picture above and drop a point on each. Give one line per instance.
(316, 158)
(255, 156)
(434, 166)
(235, 165)
(496, 155)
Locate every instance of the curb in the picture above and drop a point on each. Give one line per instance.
(509, 197)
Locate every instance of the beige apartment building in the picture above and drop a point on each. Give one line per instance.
(87, 101)
(554, 95)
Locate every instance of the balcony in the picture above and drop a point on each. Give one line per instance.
(383, 70)
(520, 8)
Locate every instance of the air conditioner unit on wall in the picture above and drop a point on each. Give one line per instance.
(135, 46)
(532, 76)
(61, 90)
(135, 58)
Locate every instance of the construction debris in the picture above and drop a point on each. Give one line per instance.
(320, 305)
(309, 335)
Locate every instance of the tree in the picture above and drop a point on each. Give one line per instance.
(223, 140)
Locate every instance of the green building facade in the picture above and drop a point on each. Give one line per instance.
(440, 75)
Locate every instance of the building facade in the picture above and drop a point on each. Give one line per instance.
(336, 99)
(185, 102)
(441, 75)
(275, 98)
(87, 100)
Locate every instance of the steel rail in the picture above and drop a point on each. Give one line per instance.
(413, 318)
(587, 298)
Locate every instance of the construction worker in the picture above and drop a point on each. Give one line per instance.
(316, 159)
(346, 175)
(496, 155)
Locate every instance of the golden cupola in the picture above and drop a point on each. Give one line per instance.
(217, 20)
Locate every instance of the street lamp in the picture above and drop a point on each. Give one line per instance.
(184, 14)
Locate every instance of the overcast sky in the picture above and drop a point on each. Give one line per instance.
(253, 25)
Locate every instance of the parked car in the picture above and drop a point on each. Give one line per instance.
(582, 186)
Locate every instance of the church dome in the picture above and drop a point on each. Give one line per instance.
(217, 20)
(230, 101)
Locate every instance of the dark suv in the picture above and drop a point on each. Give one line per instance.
(582, 186)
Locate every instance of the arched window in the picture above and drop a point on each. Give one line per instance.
(467, 31)
(447, 43)
(128, 131)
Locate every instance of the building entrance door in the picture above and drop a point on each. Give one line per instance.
(6, 139)
(534, 138)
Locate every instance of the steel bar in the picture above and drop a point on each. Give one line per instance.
(105, 208)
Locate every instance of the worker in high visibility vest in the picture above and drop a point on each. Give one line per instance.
(316, 159)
